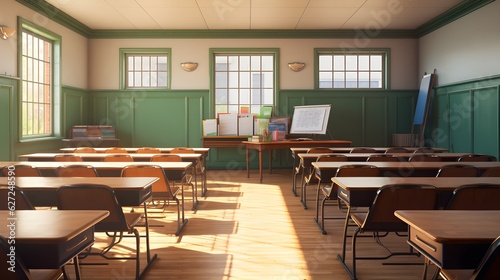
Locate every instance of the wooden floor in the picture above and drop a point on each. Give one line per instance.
(246, 230)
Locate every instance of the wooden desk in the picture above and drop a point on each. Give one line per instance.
(223, 141)
(452, 239)
(361, 191)
(42, 191)
(49, 239)
(286, 144)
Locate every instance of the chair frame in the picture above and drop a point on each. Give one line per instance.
(300, 169)
(378, 220)
(198, 168)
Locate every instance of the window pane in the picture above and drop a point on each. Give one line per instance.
(233, 63)
(325, 63)
(221, 96)
(364, 79)
(244, 63)
(244, 96)
(376, 62)
(364, 63)
(325, 80)
(351, 80)
(376, 80)
(267, 63)
(351, 62)
(339, 62)
(339, 80)
(244, 79)
(255, 63)
(221, 79)
(233, 80)
(233, 96)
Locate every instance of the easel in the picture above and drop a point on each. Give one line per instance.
(422, 109)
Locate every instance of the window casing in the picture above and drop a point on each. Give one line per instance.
(352, 69)
(39, 68)
(145, 68)
(243, 81)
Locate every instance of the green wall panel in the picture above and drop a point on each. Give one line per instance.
(460, 122)
(375, 119)
(6, 109)
(486, 121)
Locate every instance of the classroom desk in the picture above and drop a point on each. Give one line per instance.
(140, 158)
(452, 239)
(49, 239)
(285, 144)
(130, 191)
(297, 150)
(361, 191)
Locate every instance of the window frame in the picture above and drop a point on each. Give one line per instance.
(386, 52)
(243, 51)
(144, 51)
(56, 85)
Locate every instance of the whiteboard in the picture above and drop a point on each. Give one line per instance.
(312, 119)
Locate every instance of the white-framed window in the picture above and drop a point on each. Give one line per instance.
(244, 81)
(40, 79)
(145, 68)
(352, 69)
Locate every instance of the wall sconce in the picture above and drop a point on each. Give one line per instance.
(189, 66)
(296, 66)
(6, 32)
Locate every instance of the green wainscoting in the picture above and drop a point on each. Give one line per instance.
(466, 117)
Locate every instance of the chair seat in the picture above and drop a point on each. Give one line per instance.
(358, 218)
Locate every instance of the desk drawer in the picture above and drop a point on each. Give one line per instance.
(357, 198)
(448, 256)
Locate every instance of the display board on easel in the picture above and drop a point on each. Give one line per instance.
(422, 109)
(312, 119)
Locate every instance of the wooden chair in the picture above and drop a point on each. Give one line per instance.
(198, 168)
(21, 170)
(475, 197)
(163, 192)
(363, 150)
(115, 150)
(86, 150)
(21, 271)
(457, 170)
(383, 158)
(312, 176)
(69, 158)
(488, 268)
(119, 157)
(76, 170)
(424, 158)
(475, 158)
(301, 170)
(380, 218)
(21, 203)
(102, 197)
(177, 178)
(492, 172)
(329, 191)
(148, 150)
(396, 150)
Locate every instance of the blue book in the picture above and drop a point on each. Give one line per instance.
(277, 130)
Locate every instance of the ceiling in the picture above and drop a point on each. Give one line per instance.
(253, 14)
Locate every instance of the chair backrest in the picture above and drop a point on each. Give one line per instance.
(182, 150)
(319, 150)
(120, 157)
(394, 197)
(395, 150)
(492, 172)
(21, 271)
(6, 194)
(475, 157)
(76, 170)
(84, 150)
(383, 158)
(424, 150)
(166, 158)
(357, 170)
(160, 188)
(363, 150)
(93, 197)
(489, 267)
(457, 170)
(116, 150)
(475, 197)
(69, 158)
(148, 150)
(21, 170)
(424, 157)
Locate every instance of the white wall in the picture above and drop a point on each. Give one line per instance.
(74, 46)
(104, 59)
(466, 49)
